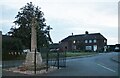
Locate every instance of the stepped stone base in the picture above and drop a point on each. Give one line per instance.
(30, 59)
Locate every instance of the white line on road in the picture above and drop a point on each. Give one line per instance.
(106, 68)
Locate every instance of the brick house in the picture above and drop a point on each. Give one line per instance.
(84, 42)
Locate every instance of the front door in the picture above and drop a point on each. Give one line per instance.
(95, 47)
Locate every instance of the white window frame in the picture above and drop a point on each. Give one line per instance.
(86, 41)
(88, 47)
(94, 40)
(74, 41)
(105, 41)
(90, 41)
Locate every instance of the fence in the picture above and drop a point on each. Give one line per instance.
(53, 58)
(56, 58)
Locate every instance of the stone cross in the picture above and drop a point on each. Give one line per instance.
(33, 36)
(30, 58)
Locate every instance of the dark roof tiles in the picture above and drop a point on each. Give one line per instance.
(84, 36)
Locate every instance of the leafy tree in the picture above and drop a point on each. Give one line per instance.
(22, 28)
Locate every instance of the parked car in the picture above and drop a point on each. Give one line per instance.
(117, 49)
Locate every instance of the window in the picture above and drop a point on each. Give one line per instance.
(90, 41)
(86, 41)
(94, 41)
(88, 47)
(105, 41)
(74, 41)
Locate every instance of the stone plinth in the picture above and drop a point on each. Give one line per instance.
(30, 59)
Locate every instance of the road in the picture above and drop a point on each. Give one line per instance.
(99, 65)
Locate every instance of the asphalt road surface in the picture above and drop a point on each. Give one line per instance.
(98, 65)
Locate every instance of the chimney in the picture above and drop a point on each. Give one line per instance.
(86, 32)
(72, 34)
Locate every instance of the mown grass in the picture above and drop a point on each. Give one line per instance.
(68, 54)
(73, 54)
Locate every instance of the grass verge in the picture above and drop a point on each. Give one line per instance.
(73, 54)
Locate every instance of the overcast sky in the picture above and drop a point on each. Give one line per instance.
(69, 16)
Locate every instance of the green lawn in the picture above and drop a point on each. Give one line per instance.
(73, 54)
(69, 54)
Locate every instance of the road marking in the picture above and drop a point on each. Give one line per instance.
(106, 68)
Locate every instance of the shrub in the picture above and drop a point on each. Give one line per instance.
(10, 44)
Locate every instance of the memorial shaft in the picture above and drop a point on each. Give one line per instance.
(33, 36)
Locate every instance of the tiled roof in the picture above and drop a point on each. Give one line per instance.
(84, 37)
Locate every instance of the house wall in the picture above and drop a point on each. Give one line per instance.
(81, 45)
(101, 44)
(64, 46)
(77, 43)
